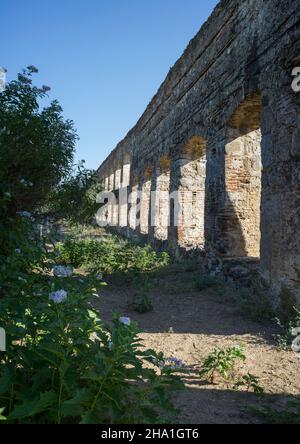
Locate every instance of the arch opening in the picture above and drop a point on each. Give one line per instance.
(123, 197)
(161, 205)
(192, 166)
(243, 181)
(145, 200)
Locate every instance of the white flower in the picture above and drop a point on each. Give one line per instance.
(58, 296)
(22, 280)
(125, 321)
(17, 250)
(26, 215)
(62, 271)
(174, 363)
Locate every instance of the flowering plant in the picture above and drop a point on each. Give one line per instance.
(63, 365)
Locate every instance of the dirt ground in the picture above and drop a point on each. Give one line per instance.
(188, 325)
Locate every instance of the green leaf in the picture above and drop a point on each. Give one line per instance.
(30, 409)
(90, 417)
(2, 418)
(75, 407)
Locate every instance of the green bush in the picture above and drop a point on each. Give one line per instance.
(36, 145)
(111, 256)
(141, 302)
(63, 365)
(75, 199)
(221, 362)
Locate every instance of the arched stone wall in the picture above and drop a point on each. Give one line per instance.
(233, 87)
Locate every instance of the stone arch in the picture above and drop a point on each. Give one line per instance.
(133, 200)
(111, 181)
(118, 171)
(126, 170)
(191, 194)
(106, 183)
(146, 199)
(161, 205)
(123, 198)
(243, 174)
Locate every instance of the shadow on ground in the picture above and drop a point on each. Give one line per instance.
(185, 312)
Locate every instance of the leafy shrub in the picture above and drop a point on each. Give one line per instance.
(75, 198)
(110, 256)
(221, 362)
(141, 301)
(64, 366)
(250, 382)
(36, 145)
(71, 252)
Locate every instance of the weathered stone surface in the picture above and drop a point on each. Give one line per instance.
(227, 121)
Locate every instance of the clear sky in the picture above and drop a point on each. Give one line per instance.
(104, 59)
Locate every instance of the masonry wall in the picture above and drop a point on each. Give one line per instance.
(225, 124)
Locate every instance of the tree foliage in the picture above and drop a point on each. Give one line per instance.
(36, 144)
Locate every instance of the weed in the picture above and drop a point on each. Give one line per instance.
(250, 382)
(221, 362)
(111, 256)
(142, 303)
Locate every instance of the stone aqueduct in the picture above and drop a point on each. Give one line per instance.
(224, 125)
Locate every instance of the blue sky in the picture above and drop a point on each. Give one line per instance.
(104, 59)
